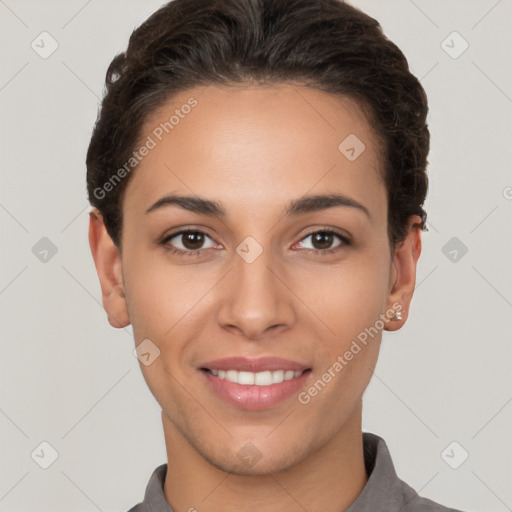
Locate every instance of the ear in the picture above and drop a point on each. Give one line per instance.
(403, 272)
(108, 266)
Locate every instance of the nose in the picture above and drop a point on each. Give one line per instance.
(256, 299)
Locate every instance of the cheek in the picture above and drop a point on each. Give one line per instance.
(341, 298)
(348, 296)
(349, 301)
(161, 295)
(151, 294)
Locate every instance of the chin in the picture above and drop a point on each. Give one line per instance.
(250, 461)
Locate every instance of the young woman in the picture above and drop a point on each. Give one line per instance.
(257, 174)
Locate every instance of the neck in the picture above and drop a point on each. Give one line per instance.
(329, 479)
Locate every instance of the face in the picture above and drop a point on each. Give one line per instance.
(267, 282)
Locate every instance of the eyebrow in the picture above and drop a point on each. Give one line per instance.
(303, 205)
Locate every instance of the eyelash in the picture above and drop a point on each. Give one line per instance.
(322, 252)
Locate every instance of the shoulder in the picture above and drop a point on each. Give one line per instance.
(384, 487)
(154, 499)
(413, 502)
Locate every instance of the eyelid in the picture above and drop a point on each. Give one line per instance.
(169, 236)
(337, 231)
(344, 237)
(311, 231)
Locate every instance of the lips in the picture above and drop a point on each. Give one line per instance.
(262, 364)
(255, 384)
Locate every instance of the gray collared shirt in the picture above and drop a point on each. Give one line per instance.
(383, 492)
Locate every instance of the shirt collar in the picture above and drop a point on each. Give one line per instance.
(383, 490)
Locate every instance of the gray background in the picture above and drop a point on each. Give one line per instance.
(70, 379)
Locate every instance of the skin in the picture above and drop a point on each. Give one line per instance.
(255, 149)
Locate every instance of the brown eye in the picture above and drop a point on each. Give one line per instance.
(187, 240)
(193, 240)
(322, 241)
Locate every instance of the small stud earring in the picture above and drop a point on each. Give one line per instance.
(398, 315)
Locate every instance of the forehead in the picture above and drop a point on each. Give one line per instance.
(256, 144)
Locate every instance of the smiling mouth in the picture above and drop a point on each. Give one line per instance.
(265, 378)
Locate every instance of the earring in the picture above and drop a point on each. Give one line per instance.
(397, 315)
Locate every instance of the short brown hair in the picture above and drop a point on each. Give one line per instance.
(324, 44)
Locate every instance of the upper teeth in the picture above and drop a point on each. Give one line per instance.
(259, 379)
